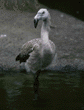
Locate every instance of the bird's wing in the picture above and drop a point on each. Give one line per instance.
(27, 48)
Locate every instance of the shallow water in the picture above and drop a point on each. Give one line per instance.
(58, 91)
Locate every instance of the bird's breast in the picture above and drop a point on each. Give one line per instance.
(46, 57)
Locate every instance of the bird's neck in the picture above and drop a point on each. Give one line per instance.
(45, 31)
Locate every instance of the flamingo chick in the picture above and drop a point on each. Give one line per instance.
(38, 53)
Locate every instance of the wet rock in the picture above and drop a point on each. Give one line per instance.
(81, 66)
(68, 68)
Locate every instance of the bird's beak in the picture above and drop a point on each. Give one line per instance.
(35, 22)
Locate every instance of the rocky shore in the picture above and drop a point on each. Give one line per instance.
(68, 35)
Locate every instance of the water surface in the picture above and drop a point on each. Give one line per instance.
(58, 91)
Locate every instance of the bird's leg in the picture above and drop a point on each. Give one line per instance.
(36, 84)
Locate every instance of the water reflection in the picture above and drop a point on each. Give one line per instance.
(73, 79)
(58, 91)
(3, 96)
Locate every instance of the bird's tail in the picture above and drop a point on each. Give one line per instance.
(18, 58)
(21, 58)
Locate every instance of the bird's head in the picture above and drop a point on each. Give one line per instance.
(42, 14)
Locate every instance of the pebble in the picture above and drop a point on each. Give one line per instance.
(1, 36)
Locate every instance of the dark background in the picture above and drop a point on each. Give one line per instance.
(72, 7)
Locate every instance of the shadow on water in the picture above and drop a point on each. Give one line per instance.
(58, 91)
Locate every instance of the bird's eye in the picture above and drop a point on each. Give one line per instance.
(43, 12)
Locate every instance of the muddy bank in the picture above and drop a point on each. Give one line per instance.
(18, 28)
